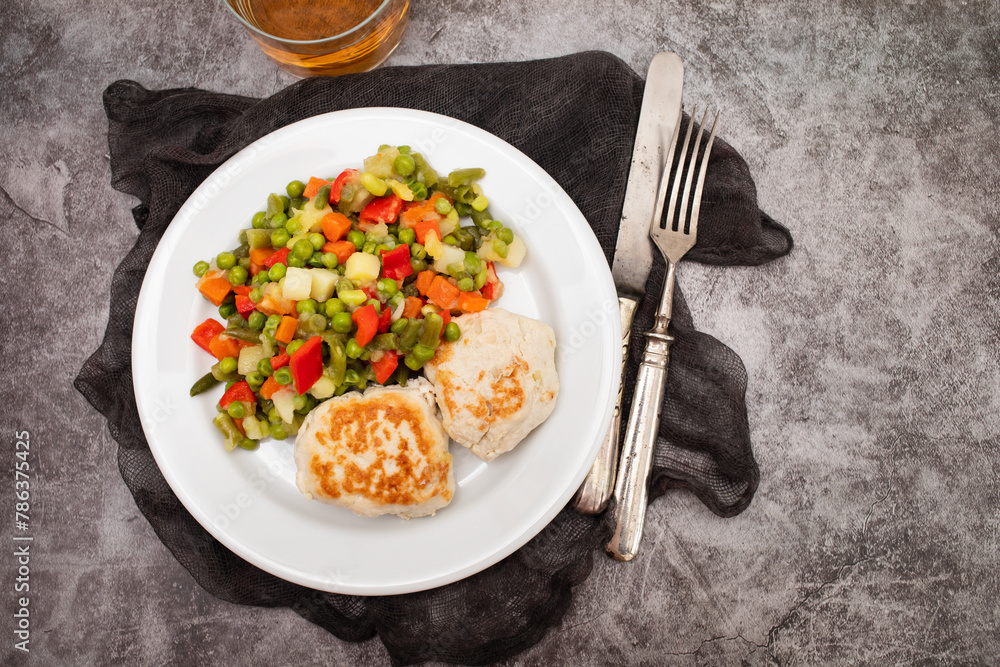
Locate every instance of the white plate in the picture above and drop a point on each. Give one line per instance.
(248, 500)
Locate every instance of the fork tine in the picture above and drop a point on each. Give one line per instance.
(680, 171)
(696, 208)
(681, 222)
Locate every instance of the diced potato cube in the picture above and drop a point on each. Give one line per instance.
(283, 404)
(362, 268)
(433, 245)
(311, 217)
(378, 233)
(324, 388)
(249, 358)
(515, 253)
(324, 282)
(297, 284)
(449, 255)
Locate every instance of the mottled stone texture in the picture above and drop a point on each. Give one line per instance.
(872, 351)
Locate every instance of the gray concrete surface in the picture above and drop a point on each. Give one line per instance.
(872, 350)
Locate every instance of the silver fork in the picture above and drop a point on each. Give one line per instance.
(674, 240)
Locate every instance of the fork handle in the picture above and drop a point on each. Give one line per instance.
(596, 489)
(631, 490)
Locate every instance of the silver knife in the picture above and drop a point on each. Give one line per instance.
(658, 115)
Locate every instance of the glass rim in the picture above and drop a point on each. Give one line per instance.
(285, 40)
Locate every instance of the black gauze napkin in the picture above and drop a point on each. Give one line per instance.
(576, 117)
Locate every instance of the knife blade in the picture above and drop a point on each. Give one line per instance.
(658, 116)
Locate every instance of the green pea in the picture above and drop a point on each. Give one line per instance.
(293, 226)
(351, 376)
(259, 220)
(369, 247)
(295, 262)
(407, 235)
(472, 262)
(467, 285)
(452, 332)
(201, 268)
(279, 238)
(356, 237)
(334, 306)
(278, 220)
(418, 265)
(443, 206)
(283, 376)
(236, 410)
(388, 287)
(329, 260)
(302, 249)
(238, 275)
(297, 203)
(317, 240)
(494, 225)
(264, 367)
(273, 417)
(341, 322)
(295, 189)
(399, 326)
(381, 248)
(294, 346)
(505, 235)
(500, 248)
(277, 272)
(417, 251)
(226, 310)
(450, 239)
(422, 352)
(353, 349)
(257, 320)
(306, 306)
(376, 304)
(228, 365)
(404, 165)
(244, 262)
(344, 285)
(225, 260)
(412, 363)
(279, 431)
(255, 294)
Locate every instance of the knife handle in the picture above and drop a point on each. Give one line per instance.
(596, 489)
(631, 488)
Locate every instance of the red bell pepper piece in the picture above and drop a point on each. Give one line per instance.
(205, 332)
(239, 392)
(277, 257)
(384, 209)
(278, 361)
(244, 305)
(366, 319)
(338, 184)
(396, 262)
(307, 364)
(385, 366)
(446, 316)
(385, 320)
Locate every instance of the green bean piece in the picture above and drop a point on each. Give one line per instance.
(462, 208)
(411, 362)
(465, 176)
(402, 374)
(480, 218)
(506, 235)
(410, 335)
(259, 220)
(297, 203)
(418, 189)
(274, 205)
(351, 376)
(482, 275)
(423, 171)
(201, 268)
(422, 353)
(399, 326)
(385, 342)
(203, 384)
(323, 196)
(430, 332)
(344, 285)
(224, 423)
(346, 194)
(311, 324)
(337, 366)
(374, 184)
(236, 410)
(244, 333)
(295, 189)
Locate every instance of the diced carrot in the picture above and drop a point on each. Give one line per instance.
(258, 255)
(423, 227)
(342, 249)
(335, 226)
(270, 386)
(286, 329)
(215, 287)
(242, 290)
(471, 302)
(222, 346)
(412, 306)
(313, 186)
(442, 293)
(424, 280)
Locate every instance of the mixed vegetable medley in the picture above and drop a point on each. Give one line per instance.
(345, 282)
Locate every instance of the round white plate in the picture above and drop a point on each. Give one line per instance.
(248, 500)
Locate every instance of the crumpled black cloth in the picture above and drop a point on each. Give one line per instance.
(576, 117)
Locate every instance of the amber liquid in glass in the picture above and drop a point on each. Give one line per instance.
(326, 37)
